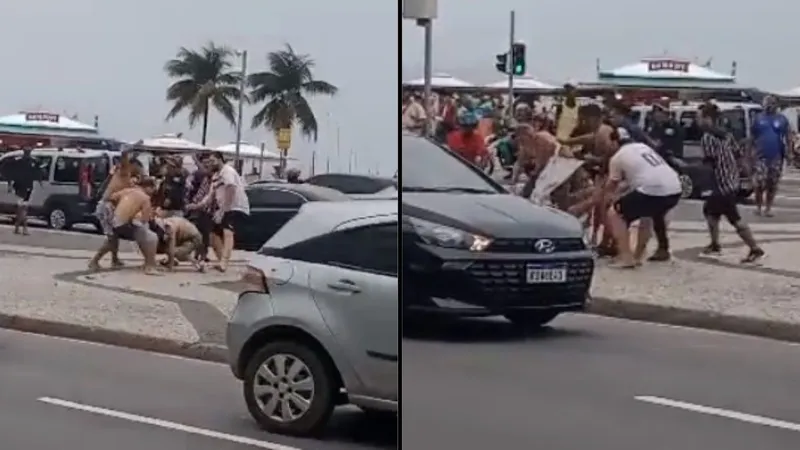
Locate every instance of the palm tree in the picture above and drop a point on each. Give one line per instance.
(204, 79)
(285, 88)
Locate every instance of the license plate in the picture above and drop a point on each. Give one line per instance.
(546, 274)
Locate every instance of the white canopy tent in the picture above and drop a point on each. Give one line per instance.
(254, 164)
(171, 143)
(795, 92)
(523, 83)
(440, 81)
(248, 150)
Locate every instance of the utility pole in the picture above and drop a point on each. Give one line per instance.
(243, 55)
(511, 39)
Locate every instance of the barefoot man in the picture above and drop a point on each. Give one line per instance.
(131, 220)
(183, 242)
(122, 177)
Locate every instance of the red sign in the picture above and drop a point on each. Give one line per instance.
(667, 64)
(41, 117)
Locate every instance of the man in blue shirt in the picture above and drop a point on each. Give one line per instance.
(771, 143)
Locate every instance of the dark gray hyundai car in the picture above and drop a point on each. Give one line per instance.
(470, 248)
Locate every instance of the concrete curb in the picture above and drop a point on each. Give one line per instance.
(771, 329)
(202, 351)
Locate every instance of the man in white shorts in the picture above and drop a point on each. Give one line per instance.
(653, 190)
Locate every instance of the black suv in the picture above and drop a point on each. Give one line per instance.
(470, 248)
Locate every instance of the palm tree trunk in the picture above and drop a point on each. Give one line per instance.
(205, 125)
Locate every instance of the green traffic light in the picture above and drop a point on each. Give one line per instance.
(519, 69)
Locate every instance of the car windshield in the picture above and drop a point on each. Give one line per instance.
(430, 168)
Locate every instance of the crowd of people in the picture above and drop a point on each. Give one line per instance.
(177, 214)
(628, 174)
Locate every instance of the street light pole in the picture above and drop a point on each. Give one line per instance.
(423, 12)
(243, 55)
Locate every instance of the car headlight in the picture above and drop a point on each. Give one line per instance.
(440, 235)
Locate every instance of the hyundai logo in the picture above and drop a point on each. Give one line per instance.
(544, 246)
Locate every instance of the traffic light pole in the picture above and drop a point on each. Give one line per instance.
(511, 40)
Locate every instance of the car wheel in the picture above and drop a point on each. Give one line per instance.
(57, 219)
(290, 389)
(531, 319)
(687, 185)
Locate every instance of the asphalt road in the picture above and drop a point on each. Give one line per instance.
(60, 394)
(474, 385)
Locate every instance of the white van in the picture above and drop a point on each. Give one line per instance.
(738, 117)
(68, 180)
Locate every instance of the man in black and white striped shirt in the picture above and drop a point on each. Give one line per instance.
(722, 153)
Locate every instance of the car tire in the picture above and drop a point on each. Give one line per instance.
(322, 398)
(531, 319)
(58, 219)
(687, 186)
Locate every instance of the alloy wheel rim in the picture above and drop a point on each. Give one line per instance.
(58, 219)
(283, 388)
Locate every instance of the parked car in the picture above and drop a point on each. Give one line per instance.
(470, 248)
(318, 325)
(697, 179)
(351, 183)
(274, 204)
(70, 179)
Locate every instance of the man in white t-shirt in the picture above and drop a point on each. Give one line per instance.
(653, 190)
(230, 206)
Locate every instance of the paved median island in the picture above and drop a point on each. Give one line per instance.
(185, 312)
(714, 293)
(53, 293)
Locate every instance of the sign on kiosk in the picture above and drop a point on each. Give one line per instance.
(41, 117)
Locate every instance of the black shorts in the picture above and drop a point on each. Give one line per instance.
(125, 232)
(230, 221)
(23, 193)
(716, 206)
(635, 205)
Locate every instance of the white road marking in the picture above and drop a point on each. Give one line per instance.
(725, 413)
(165, 424)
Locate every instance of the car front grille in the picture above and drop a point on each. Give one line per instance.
(527, 245)
(505, 284)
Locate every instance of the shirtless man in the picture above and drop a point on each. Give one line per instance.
(183, 239)
(599, 140)
(123, 176)
(535, 149)
(131, 220)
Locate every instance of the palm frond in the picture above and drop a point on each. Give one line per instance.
(282, 87)
(205, 80)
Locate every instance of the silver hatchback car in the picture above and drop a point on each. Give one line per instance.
(318, 325)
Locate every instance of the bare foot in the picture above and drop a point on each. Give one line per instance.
(94, 266)
(221, 267)
(623, 263)
(152, 271)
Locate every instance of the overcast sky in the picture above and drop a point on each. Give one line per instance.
(106, 57)
(760, 36)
